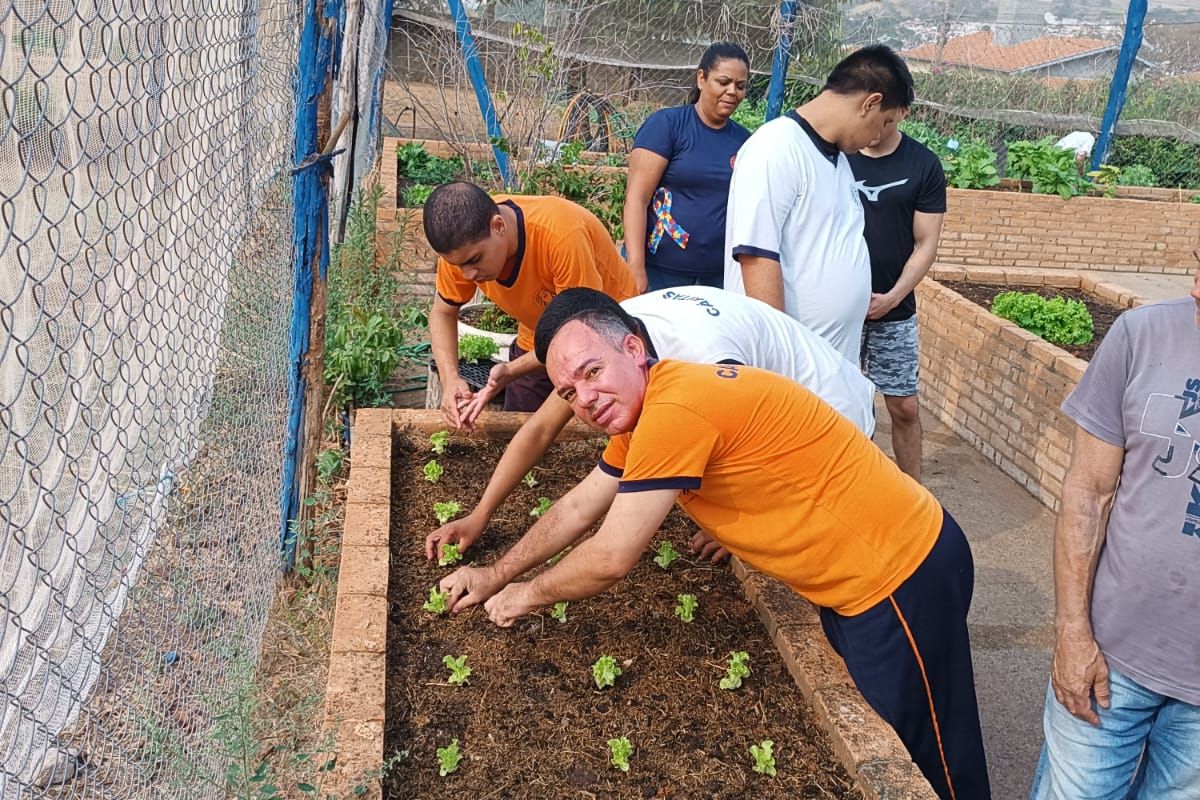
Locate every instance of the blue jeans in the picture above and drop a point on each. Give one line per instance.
(1145, 748)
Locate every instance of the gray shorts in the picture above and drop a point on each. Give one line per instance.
(889, 356)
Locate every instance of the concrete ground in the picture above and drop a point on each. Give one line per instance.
(1148, 285)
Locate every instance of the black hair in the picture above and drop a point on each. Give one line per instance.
(457, 214)
(874, 69)
(595, 309)
(717, 51)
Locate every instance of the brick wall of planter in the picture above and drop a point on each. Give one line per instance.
(998, 386)
(355, 692)
(1010, 229)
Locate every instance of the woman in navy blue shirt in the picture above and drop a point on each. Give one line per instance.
(679, 171)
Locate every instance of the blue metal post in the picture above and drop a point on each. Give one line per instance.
(783, 54)
(462, 29)
(1120, 82)
(310, 214)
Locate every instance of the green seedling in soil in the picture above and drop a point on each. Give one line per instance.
(557, 558)
(560, 611)
(459, 671)
(666, 554)
(542, 507)
(686, 610)
(448, 758)
(620, 750)
(438, 441)
(433, 471)
(739, 667)
(450, 555)
(446, 511)
(764, 761)
(529, 480)
(605, 671)
(472, 348)
(436, 604)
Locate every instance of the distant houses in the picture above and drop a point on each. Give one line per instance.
(1075, 58)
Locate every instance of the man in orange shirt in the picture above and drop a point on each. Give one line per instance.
(789, 486)
(520, 251)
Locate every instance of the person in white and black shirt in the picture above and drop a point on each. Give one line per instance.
(903, 191)
(794, 221)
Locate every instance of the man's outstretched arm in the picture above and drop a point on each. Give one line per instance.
(595, 564)
(558, 528)
(522, 453)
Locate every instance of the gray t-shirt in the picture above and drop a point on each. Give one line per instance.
(1142, 392)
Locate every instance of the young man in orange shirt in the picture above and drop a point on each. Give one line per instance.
(789, 486)
(520, 251)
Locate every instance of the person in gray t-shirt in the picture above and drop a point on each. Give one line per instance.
(1122, 712)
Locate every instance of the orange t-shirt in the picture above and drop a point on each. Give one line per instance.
(780, 479)
(560, 245)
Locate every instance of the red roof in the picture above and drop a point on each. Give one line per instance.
(979, 51)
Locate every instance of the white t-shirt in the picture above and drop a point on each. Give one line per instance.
(789, 202)
(706, 325)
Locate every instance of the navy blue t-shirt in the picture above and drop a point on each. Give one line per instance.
(699, 167)
(893, 188)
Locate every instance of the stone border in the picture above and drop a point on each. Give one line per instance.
(355, 692)
(997, 386)
(355, 696)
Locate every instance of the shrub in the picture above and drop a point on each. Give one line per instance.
(1056, 320)
(361, 352)
(973, 166)
(1136, 175)
(415, 163)
(1051, 169)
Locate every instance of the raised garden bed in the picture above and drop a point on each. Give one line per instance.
(1000, 387)
(1103, 312)
(530, 722)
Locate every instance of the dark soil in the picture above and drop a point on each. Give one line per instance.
(531, 723)
(1104, 314)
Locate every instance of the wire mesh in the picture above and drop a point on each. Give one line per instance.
(996, 70)
(144, 296)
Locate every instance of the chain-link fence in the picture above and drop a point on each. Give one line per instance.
(145, 283)
(994, 71)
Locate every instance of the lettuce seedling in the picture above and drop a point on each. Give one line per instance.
(543, 505)
(438, 441)
(433, 471)
(472, 348)
(686, 610)
(529, 480)
(739, 667)
(448, 758)
(764, 761)
(436, 604)
(450, 555)
(459, 671)
(554, 559)
(560, 611)
(666, 554)
(620, 750)
(446, 511)
(605, 671)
